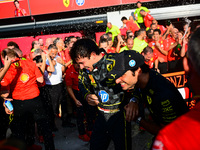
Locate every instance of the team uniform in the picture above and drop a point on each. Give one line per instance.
(20, 12)
(132, 25)
(183, 133)
(163, 100)
(148, 20)
(20, 79)
(139, 45)
(71, 79)
(114, 30)
(151, 62)
(110, 122)
(140, 20)
(162, 65)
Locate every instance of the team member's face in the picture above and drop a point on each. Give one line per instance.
(156, 36)
(60, 44)
(139, 5)
(71, 43)
(147, 56)
(104, 46)
(17, 5)
(130, 44)
(127, 80)
(86, 62)
(36, 45)
(53, 52)
(153, 27)
(175, 33)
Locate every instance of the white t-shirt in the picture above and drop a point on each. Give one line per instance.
(56, 76)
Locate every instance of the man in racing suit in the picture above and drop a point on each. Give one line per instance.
(102, 92)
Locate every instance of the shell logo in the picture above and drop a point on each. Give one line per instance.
(66, 3)
(24, 77)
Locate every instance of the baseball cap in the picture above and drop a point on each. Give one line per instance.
(127, 60)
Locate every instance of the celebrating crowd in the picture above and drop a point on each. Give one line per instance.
(108, 84)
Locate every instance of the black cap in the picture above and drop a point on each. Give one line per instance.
(127, 60)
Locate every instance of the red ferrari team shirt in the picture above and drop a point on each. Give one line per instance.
(21, 80)
(162, 29)
(71, 78)
(181, 134)
(148, 20)
(151, 62)
(20, 12)
(157, 51)
(132, 25)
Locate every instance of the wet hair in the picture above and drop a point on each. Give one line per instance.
(147, 49)
(194, 50)
(83, 48)
(123, 18)
(9, 52)
(157, 30)
(104, 36)
(18, 51)
(52, 46)
(38, 59)
(11, 43)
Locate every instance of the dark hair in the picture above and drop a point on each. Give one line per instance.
(149, 34)
(109, 39)
(32, 44)
(38, 59)
(18, 51)
(109, 33)
(56, 40)
(157, 30)
(67, 41)
(103, 41)
(147, 49)
(9, 52)
(138, 2)
(145, 69)
(83, 48)
(15, 1)
(104, 36)
(52, 46)
(142, 10)
(140, 31)
(152, 24)
(11, 43)
(123, 18)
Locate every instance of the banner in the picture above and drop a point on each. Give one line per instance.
(38, 7)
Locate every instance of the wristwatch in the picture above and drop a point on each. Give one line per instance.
(138, 120)
(133, 99)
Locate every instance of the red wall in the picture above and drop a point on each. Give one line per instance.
(25, 42)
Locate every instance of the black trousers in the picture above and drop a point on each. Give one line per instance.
(175, 66)
(4, 121)
(23, 110)
(116, 129)
(57, 96)
(163, 67)
(85, 109)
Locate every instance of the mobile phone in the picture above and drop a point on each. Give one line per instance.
(9, 105)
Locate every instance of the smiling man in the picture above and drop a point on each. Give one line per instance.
(162, 99)
(104, 93)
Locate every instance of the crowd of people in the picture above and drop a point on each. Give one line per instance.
(106, 84)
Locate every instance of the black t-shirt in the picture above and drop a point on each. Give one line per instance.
(162, 98)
